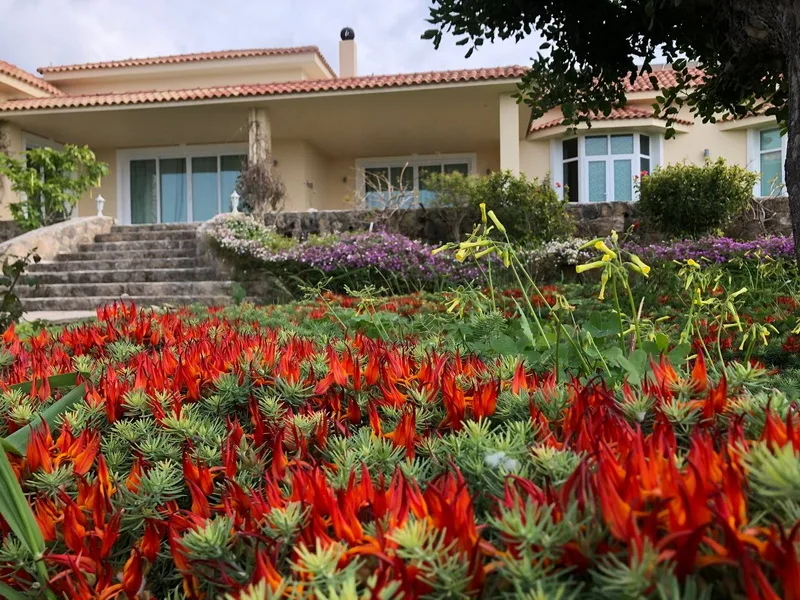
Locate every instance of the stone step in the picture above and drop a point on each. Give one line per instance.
(92, 302)
(155, 227)
(162, 244)
(140, 274)
(127, 254)
(143, 236)
(125, 264)
(132, 288)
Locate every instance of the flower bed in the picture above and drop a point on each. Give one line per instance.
(718, 249)
(211, 455)
(387, 260)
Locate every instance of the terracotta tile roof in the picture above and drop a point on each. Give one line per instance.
(665, 78)
(7, 68)
(185, 58)
(268, 89)
(627, 112)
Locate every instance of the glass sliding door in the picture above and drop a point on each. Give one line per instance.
(205, 188)
(180, 185)
(144, 191)
(174, 195)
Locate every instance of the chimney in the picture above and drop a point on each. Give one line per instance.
(348, 54)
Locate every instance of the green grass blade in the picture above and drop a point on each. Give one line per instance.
(16, 511)
(18, 441)
(56, 381)
(10, 593)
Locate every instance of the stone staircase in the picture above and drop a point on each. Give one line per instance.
(146, 264)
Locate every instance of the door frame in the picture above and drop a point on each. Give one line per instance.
(126, 155)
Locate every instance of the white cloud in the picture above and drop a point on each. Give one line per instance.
(38, 33)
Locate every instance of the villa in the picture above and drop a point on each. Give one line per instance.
(176, 130)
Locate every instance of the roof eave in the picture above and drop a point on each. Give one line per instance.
(255, 98)
(641, 124)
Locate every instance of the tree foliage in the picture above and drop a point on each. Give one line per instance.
(52, 181)
(745, 53)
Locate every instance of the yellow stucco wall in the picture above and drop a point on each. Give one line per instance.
(87, 207)
(11, 136)
(180, 80)
(316, 177)
(689, 147)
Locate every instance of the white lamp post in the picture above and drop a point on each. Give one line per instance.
(235, 202)
(100, 203)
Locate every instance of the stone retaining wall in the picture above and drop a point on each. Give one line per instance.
(8, 230)
(766, 216)
(61, 237)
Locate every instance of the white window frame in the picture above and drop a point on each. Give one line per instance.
(754, 153)
(124, 158)
(557, 161)
(411, 162)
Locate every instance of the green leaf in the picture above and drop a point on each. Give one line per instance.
(18, 441)
(10, 593)
(56, 381)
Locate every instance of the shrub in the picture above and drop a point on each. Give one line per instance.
(529, 208)
(690, 200)
(261, 188)
(53, 182)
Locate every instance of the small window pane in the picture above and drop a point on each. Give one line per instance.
(623, 181)
(596, 145)
(571, 181)
(402, 178)
(425, 172)
(231, 166)
(597, 181)
(376, 179)
(771, 173)
(462, 168)
(644, 145)
(771, 139)
(570, 148)
(644, 166)
(621, 144)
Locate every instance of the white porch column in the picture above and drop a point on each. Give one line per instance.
(260, 135)
(509, 134)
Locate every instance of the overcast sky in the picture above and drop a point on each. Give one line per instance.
(35, 33)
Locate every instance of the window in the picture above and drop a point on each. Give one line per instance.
(601, 168)
(173, 186)
(401, 182)
(771, 156)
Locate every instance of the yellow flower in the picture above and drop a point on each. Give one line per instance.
(692, 263)
(598, 264)
(506, 258)
(601, 245)
(483, 253)
(643, 268)
(603, 282)
(500, 227)
(440, 249)
(483, 213)
(461, 255)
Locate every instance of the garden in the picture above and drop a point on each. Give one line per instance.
(494, 417)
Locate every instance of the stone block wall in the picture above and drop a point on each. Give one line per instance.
(8, 230)
(767, 216)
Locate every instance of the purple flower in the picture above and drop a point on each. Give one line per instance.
(717, 249)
